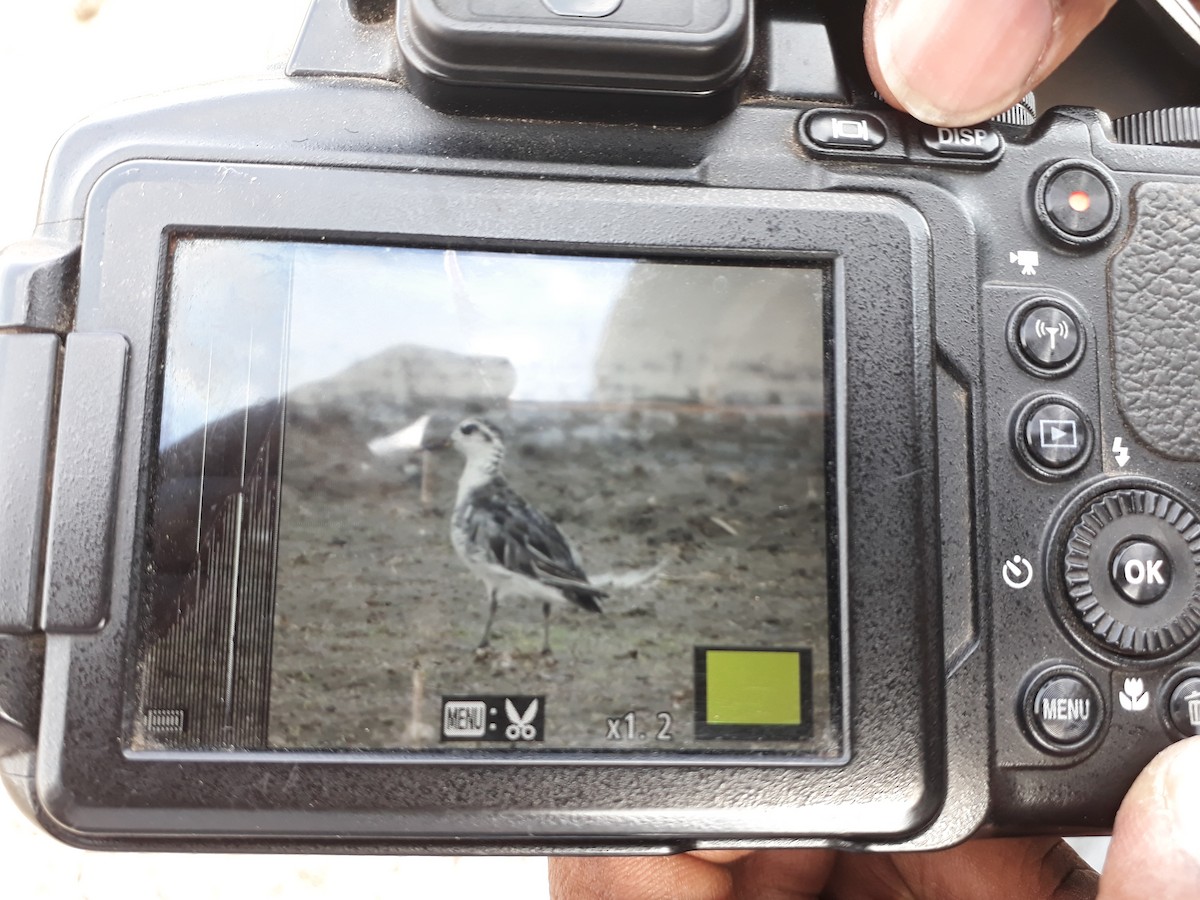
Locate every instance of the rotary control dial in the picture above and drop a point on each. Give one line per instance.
(1175, 127)
(1132, 572)
(1023, 112)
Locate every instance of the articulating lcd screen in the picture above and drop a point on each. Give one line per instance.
(439, 500)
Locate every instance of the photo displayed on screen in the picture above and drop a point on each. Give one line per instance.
(440, 500)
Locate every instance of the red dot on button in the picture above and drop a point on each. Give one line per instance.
(1079, 201)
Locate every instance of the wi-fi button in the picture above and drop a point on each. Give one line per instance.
(1048, 337)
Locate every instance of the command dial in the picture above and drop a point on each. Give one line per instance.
(1175, 127)
(1132, 571)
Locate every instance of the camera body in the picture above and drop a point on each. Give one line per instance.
(893, 430)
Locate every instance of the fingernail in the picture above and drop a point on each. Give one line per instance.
(958, 62)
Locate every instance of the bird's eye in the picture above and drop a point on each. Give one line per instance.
(469, 429)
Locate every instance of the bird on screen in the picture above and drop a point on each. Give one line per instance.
(509, 544)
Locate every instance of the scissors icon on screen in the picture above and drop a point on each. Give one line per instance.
(521, 727)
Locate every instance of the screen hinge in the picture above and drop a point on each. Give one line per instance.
(76, 596)
(29, 370)
(39, 281)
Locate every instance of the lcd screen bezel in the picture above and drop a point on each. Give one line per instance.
(198, 675)
(891, 774)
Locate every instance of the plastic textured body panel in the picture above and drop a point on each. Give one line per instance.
(1157, 319)
(951, 543)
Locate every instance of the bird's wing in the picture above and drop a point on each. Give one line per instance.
(516, 535)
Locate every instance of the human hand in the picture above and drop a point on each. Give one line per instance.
(982, 870)
(958, 62)
(1155, 853)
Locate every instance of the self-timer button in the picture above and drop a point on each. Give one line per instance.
(1076, 202)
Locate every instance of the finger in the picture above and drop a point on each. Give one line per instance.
(958, 62)
(1155, 851)
(1037, 869)
(783, 874)
(639, 878)
(764, 875)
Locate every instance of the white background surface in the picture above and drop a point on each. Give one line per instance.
(61, 60)
(54, 70)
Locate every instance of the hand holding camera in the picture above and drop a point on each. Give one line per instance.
(874, 438)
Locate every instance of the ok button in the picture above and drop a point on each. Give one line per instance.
(1141, 571)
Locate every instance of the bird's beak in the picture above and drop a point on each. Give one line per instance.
(436, 446)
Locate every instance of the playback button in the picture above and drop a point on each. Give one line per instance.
(1053, 436)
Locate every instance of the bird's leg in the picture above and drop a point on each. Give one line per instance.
(546, 651)
(493, 602)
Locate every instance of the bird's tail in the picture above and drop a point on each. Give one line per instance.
(631, 579)
(589, 601)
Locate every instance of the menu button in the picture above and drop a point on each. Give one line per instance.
(1064, 710)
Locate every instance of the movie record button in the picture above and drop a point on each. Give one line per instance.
(1053, 436)
(843, 130)
(1076, 202)
(1063, 709)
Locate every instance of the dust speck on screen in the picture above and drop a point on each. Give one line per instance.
(467, 502)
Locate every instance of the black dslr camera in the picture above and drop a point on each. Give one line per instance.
(814, 477)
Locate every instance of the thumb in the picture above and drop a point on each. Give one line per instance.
(958, 62)
(1155, 849)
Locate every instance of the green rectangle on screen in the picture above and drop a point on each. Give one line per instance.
(751, 693)
(753, 687)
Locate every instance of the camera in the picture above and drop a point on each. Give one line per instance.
(593, 426)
